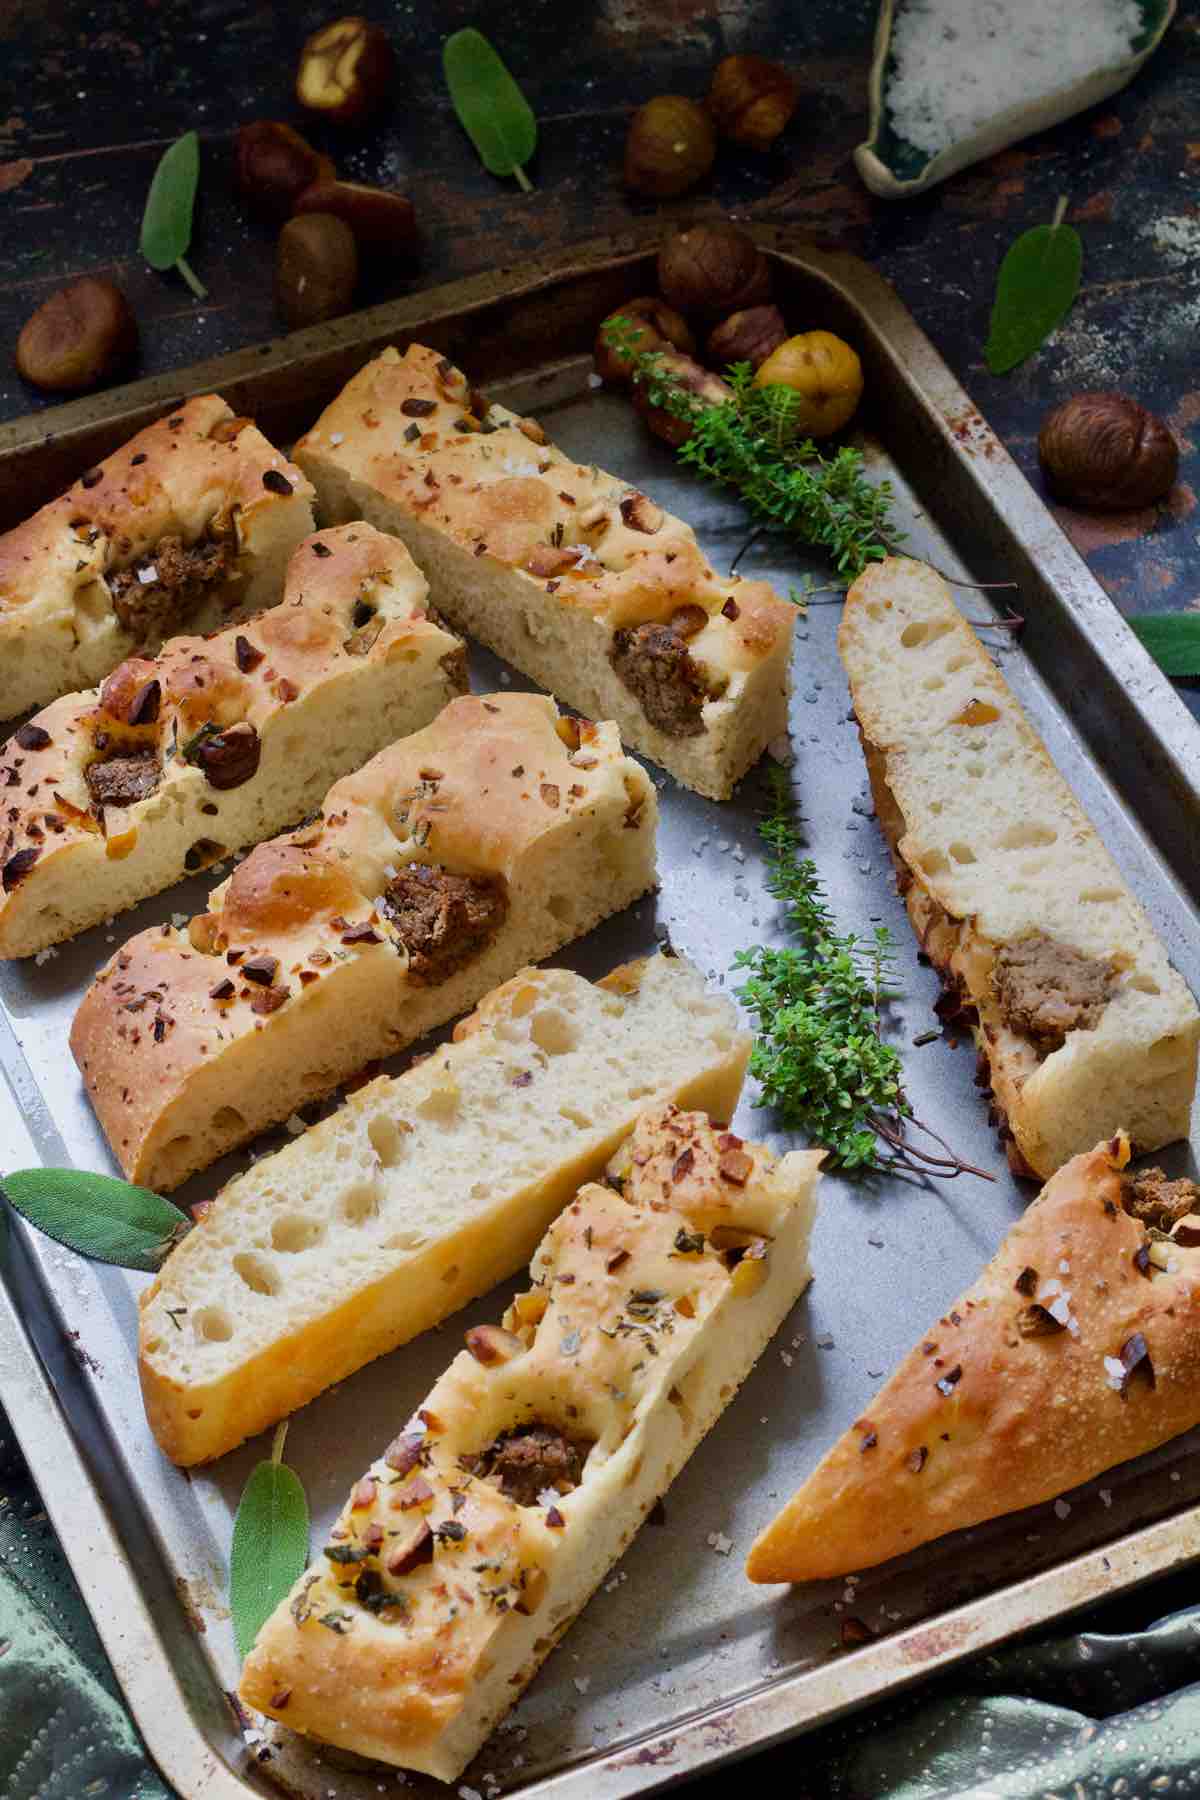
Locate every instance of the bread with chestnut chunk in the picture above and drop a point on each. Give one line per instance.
(540, 1451)
(486, 841)
(577, 578)
(187, 527)
(217, 742)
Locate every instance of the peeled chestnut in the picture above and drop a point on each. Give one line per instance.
(653, 326)
(78, 337)
(345, 71)
(747, 336)
(824, 373)
(684, 372)
(316, 268)
(383, 222)
(273, 165)
(712, 270)
(1106, 451)
(751, 100)
(670, 147)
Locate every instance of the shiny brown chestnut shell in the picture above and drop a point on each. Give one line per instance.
(751, 100)
(686, 373)
(712, 270)
(671, 146)
(747, 336)
(656, 326)
(1103, 450)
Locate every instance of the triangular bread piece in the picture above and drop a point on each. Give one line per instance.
(1078, 1347)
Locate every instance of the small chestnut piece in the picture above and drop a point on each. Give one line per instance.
(345, 71)
(671, 146)
(1106, 451)
(228, 758)
(751, 100)
(826, 374)
(273, 165)
(654, 326)
(712, 270)
(78, 337)
(383, 222)
(747, 336)
(316, 267)
(687, 374)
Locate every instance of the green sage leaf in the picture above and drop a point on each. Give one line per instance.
(270, 1544)
(491, 108)
(97, 1215)
(1173, 640)
(167, 220)
(1035, 290)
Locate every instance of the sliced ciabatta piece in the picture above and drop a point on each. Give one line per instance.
(540, 1451)
(217, 742)
(421, 1193)
(189, 525)
(484, 842)
(568, 572)
(1078, 1347)
(1083, 1022)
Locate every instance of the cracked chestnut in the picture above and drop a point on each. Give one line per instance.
(1103, 450)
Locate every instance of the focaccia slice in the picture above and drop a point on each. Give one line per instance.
(188, 526)
(1078, 1347)
(540, 1451)
(1083, 1023)
(574, 576)
(217, 742)
(419, 1194)
(456, 856)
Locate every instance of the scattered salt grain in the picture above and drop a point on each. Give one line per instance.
(824, 1343)
(785, 1359)
(1106, 1496)
(717, 1541)
(582, 1682)
(1064, 1267)
(1114, 1370)
(337, 437)
(43, 956)
(469, 1793)
(876, 1243)
(295, 1125)
(179, 920)
(1062, 1509)
(148, 575)
(594, 381)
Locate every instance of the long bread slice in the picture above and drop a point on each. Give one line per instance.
(452, 859)
(466, 1551)
(1078, 1347)
(575, 577)
(216, 742)
(1084, 1024)
(420, 1193)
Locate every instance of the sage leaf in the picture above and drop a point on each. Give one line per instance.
(1035, 290)
(270, 1544)
(491, 108)
(97, 1215)
(1173, 640)
(167, 220)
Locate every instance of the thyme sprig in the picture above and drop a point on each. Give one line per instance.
(819, 1056)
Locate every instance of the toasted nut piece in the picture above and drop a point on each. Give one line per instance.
(533, 1590)
(750, 1271)
(653, 326)
(640, 513)
(708, 388)
(78, 337)
(530, 1307)
(491, 1344)
(592, 516)
(825, 372)
(567, 729)
(229, 758)
(120, 833)
(383, 222)
(732, 1237)
(736, 1166)
(273, 165)
(545, 560)
(712, 270)
(747, 336)
(410, 1556)
(670, 147)
(751, 100)
(316, 268)
(345, 70)
(203, 932)
(687, 620)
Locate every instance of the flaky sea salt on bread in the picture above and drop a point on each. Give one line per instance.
(574, 576)
(1083, 1022)
(186, 527)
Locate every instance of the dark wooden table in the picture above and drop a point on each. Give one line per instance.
(89, 97)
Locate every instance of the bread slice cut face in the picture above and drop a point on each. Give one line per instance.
(1078, 1347)
(453, 858)
(217, 742)
(186, 527)
(540, 1451)
(1084, 1025)
(420, 1193)
(577, 578)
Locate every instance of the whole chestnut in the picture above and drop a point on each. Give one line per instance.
(751, 100)
(712, 270)
(671, 146)
(826, 375)
(685, 373)
(1106, 451)
(747, 336)
(78, 337)
(316, 268)
(653, 326)
(273, 165)
(345, 70)
(384, 223)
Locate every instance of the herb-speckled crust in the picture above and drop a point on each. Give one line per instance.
(645, 1334)
(199, 469)
(191, 1040)
(1018, 1418)
(322, 684)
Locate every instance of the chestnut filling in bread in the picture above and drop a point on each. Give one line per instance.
(656, 665)
(1046, 989)
(443, 920)
(123, 780)
(1149, 1196)
(154, 596)
(531, 1458)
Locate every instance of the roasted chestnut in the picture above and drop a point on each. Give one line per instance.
(654, 326)
(78, 337)
(748, 336)
(688, 374)
(751, 100)
(670, 147)
(383, 222)
(228, 758)
(1104, 450)
(316, 269)
(273, 165)
(345, 70)
(713, 269)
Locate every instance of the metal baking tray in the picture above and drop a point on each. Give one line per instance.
(678, 1663)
